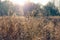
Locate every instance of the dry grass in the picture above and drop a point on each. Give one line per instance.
(21, 28)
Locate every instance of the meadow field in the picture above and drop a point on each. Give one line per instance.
(22, 28)
(29, 20)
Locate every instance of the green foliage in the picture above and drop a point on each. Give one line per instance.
(6, 8)
(31, 9)
(51, 9)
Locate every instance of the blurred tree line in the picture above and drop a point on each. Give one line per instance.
(39, 10)
(7, 8)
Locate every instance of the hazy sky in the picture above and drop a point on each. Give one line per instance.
(43, 2)
(40, 1)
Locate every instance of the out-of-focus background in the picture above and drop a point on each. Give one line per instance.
(26, 7)
(29, 19)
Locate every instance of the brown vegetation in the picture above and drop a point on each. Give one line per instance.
(17, 28)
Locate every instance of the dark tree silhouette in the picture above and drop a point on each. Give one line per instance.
(51, 9)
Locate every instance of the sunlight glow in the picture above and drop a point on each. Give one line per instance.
(22, 2)
(2, 0)
(34, 1)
